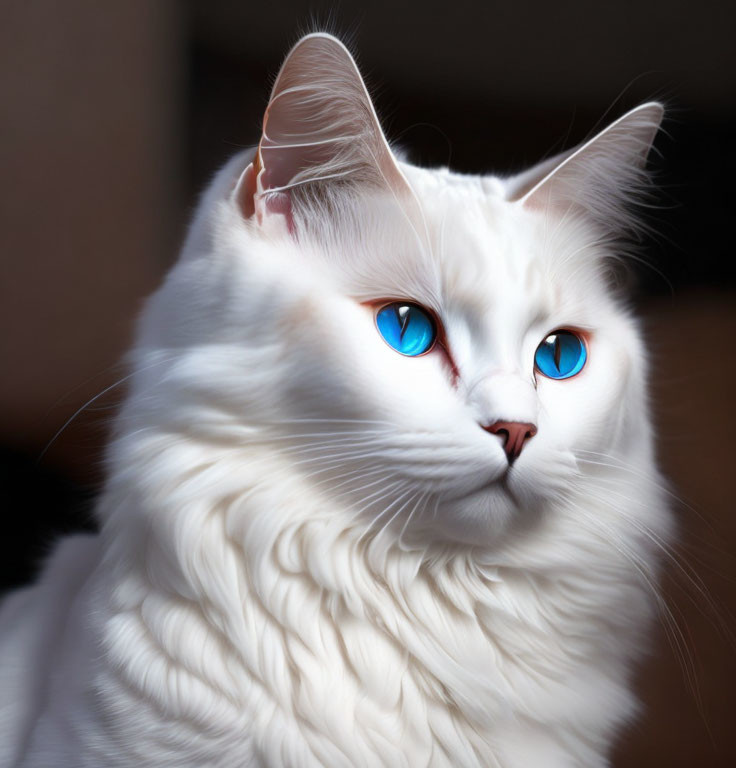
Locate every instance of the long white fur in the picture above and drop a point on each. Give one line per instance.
(311, 554)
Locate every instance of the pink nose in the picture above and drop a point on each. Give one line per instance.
(514, 435)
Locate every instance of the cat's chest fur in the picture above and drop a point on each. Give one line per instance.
(298, 644)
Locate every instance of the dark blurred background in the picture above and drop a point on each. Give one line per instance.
(113, 116)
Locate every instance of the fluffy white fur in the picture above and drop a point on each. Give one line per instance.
(311, 553)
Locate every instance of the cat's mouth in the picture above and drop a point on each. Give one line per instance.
(497, 480)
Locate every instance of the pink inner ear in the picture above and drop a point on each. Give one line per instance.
(256, 201)
(296, 137)
(319, 125)
(246, 192)
(280, 203)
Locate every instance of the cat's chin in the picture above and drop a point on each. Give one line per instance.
(480, 518)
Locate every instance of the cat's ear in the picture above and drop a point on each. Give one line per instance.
(319, 127)
(600, 176)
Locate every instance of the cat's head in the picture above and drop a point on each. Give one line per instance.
(439, 352)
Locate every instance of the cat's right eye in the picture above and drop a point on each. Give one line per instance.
(407, 328)
(561, 355)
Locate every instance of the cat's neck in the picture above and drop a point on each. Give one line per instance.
(276, 524)
(270, 578)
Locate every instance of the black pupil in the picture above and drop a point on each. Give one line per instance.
(557, 354)
(403, 317)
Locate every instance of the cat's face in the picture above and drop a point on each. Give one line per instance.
(273, 319)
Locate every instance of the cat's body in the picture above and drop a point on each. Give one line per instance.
(311, 553)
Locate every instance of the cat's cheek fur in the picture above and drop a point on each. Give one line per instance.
(587, 412)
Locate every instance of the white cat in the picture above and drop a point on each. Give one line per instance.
(382, 492)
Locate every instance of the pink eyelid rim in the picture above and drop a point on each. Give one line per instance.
(440, 339)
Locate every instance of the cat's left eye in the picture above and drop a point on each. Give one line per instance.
(561, 355)
(407, 327)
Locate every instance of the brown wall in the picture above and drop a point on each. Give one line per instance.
(89, 162)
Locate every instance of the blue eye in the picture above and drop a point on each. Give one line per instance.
(407, 328)
(561, 355)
